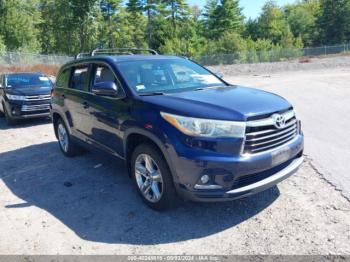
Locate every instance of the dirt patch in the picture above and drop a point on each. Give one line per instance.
(46, 69)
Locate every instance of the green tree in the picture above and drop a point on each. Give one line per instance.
(334, 21)
(301, 17)
(137, 23)
(69, 26)
(178, 10)
(221, 17)
(18, 24)
(2, 44)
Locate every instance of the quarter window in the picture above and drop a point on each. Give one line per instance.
(63, 78)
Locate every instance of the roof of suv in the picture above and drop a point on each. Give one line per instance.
(124, 58)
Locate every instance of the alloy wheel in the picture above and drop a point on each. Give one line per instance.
(63, 137)
(149, 178)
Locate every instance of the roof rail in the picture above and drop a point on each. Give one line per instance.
(81, 55)
(129, 51)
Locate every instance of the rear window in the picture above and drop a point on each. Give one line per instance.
(27, 80)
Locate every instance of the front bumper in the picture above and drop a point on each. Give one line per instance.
(25, 110)
(237, 176)
(259, 186)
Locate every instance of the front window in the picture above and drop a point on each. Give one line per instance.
(166, 76)
(27, 80)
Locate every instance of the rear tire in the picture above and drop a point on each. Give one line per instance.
(67, 146)
(153, 178)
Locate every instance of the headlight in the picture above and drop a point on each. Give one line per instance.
(206, 127)
(15, 97)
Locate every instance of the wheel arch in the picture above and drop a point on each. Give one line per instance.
(55, 117)
(135, 137)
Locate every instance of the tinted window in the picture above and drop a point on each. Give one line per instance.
(27, 80)
(103, 74)
(80, 78)
(63, 78)
(166, 75)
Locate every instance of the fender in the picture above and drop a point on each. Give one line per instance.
(157, 141)
(62, 116)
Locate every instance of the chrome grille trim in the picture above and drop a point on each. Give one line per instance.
(291, 128)
(269, 121)
(293, 122)
(262, 135)
(37, 97)
(273, 145)
(273, 140)
(29, 108)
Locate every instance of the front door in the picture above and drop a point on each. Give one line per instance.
(109, 113)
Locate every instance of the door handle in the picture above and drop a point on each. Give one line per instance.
(86, 105)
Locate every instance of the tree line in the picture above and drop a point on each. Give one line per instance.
(169, 26)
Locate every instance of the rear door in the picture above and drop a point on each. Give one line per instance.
(109, 113)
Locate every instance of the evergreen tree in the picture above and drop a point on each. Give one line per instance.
(134, 7)
(223, 17)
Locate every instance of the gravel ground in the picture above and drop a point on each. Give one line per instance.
(322, 101)
(50, 204)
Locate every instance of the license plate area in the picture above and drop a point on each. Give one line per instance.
(281, 155)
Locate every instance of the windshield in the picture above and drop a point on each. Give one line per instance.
(167, 75)
(27, 80)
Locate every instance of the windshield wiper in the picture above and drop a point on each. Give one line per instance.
(209, 87)
(152, 94)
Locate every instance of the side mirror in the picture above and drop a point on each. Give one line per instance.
(107, 88)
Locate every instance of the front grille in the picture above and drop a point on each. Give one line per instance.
(263, 135)
(30, 108)
(38, 97)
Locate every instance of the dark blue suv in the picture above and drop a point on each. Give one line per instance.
(182, 130)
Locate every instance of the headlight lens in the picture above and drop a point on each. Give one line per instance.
(15, 97)
(206, 127)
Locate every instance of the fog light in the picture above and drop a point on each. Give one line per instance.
(205, 179)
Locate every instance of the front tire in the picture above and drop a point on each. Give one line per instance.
(9, 120)
(152, 177)
(67, 146)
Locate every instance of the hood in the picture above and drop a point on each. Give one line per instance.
(235, 103)
(29, 91)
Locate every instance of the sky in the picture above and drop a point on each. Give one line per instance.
(251, 8)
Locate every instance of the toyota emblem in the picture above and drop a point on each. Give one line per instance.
(279, 121)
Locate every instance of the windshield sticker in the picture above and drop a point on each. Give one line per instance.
(140, 87)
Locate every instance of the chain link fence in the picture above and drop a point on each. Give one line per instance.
(18, 58)
(271, 55)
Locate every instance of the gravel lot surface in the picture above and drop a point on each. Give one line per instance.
(322, 102)
(50, 204)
